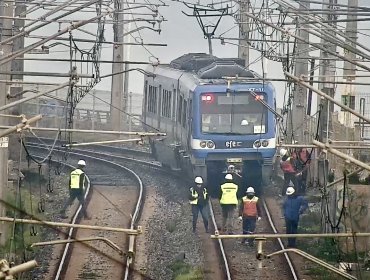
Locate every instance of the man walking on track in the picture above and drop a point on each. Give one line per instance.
(250, 212)
(77, 188)
(228, 202)
(198, 199)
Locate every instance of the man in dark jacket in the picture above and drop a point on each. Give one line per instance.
(198, 199)
(293, 207)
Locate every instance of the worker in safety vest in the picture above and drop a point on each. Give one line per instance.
(77, 187)
(249, 212)
(228, 202)
(198, 199)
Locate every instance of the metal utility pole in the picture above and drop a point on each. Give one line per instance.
(327, 73)
(117, 100)
(297, 127)
(18, 67)
(243, 48)
(6, 32)
(349, 71)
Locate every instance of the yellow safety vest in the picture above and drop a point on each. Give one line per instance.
(194, 194)
(229, 191)
(75, 179)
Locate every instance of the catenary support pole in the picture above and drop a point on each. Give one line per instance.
(243, 47)
(6, 32)
(327, 72)
(297, 128)
(117, 80)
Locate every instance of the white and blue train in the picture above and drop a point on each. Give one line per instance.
(212, 121)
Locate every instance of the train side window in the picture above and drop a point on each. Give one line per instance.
(152, 102)
(166, 104)
(184, 113)
(174, 105)
(145, 95)
(149, 100)
(179, 110)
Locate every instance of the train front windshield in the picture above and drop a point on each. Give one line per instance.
(238, 113)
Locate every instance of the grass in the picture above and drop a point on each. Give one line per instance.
(183, 271)
(22, 239)
(326, 249)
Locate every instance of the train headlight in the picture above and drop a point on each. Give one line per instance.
(203, 144)
(265, 143)
(257, 144)
(210, 144)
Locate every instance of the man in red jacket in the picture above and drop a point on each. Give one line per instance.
(287, 166)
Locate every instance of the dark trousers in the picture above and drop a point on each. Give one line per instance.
(73, 194)
(228, 217)
(249, 226)
(301, 183)
(291, 228)
(203, 209)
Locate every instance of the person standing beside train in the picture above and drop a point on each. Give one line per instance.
(294, 205)
(198, 199)
(228, 201)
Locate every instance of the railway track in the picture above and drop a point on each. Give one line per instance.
(67, 253)
(229, 250)
(239, 261)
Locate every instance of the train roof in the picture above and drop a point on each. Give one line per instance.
(206, 66)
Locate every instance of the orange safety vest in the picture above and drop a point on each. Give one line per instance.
(250, 206)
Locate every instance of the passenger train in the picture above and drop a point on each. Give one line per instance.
(213, 113)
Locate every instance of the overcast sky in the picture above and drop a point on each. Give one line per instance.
(182, 34)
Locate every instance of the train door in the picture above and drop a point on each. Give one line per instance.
(189, 128)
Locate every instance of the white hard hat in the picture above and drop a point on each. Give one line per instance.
(290, 191)
(198, 180)
(283, 152)
(229, 177)
(250, 190)
(81, 162)
(244, 122)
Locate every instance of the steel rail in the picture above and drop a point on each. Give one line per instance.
(143, 162)
(134, 219)
(280, 242)
(220, 243)
(116, 149)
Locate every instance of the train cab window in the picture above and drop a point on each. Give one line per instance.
(235, 114)
(166, 103)
(152, 100)
(184, 110)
